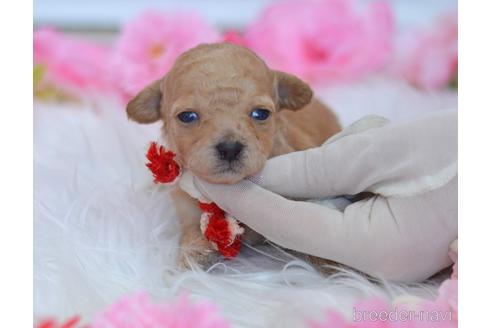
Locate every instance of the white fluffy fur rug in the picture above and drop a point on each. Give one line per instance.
(103, 229)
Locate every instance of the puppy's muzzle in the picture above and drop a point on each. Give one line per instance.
(229, 151)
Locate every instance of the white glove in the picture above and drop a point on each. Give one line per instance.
(402, 233)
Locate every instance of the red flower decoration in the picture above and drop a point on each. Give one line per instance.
(218, 231)
(211, 208)
(229, 251)
(162, 164)
(51, 323)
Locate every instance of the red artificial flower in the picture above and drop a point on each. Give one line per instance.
(218, 231)
(51, 323)
(211, 208)
(232, 250)
(162, 164)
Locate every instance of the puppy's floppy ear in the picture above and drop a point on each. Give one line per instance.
(292, 92)
(145, 107)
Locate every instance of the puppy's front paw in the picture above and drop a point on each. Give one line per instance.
(196, 250)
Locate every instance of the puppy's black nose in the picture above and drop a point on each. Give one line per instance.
(229, 150)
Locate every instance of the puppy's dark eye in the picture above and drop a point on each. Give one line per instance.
(260, 114)
(188, 116)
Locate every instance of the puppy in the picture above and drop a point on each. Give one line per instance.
(224, 113)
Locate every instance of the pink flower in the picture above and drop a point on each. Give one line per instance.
(149, 45)
(234, 37)
(376, 313)
(323, 40)
(70, 64)
(448, 296)
(139, 311)
(428, 57)
(448, 291)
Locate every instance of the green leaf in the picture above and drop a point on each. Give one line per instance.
(38, 74)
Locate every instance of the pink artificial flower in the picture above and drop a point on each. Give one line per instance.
(376, 313)
(448, 297)
(149, 45)
(428, 57)
(70, 64)
(448, 291)
(323, 40)
(139, 311)
(234, 37)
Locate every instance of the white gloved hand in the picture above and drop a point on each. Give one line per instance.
(402, 233)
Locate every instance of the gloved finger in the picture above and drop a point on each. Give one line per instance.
(348, 237)
(292, 175)
(301, 226)
(366, 123)
(366, 236)
(395, 160)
